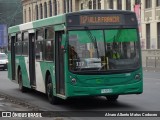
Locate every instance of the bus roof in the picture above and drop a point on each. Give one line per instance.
(59, 19)
(96, 19)
(88, 11)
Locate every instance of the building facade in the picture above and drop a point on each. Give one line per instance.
(149, 13)
(38, 9)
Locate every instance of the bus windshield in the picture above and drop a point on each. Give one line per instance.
(103, 50)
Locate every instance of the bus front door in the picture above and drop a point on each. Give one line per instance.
(60, 82)
(32, 60)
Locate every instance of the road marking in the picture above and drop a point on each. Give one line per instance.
(153, 78)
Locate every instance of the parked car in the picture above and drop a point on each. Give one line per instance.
(3, 61)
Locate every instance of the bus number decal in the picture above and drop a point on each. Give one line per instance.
(79, 64)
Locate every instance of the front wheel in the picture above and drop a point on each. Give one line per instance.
(52, 99)
(112, 98)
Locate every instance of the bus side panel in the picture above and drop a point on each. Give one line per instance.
(40, 79)
(22, 62)
(43, 69)
(9, 66)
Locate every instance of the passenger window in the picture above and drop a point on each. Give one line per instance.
(49, 44)
(25, 43)
(18, 44)
(39, 44)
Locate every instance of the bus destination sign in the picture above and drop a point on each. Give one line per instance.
(96, 19)
(89, 19)
(99, 20)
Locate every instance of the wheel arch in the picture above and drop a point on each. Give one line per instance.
(46, 78)
(18, 69)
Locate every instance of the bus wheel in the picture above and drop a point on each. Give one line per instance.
(52, 99)
(20, 81)
(112, 98)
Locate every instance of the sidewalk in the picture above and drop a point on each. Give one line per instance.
(153, 69)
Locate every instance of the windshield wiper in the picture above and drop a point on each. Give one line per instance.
(117, 36)
(93, 39)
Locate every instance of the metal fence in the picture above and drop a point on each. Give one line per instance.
(153, 61)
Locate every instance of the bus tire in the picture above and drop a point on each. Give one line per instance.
(20, 82)
(52, 99)
(112, 98)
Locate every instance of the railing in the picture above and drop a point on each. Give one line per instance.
(153, 61)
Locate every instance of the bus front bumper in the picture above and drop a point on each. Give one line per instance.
(134, 88)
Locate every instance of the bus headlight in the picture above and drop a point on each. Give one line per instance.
(137, 77)
(73, 81)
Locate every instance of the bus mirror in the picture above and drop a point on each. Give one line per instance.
(64, 42)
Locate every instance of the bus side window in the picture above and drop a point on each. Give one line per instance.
(18, 44)
(25, 43)
(39, 44)
(49, 44)
(9, 43)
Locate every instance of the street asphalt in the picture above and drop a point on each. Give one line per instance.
(6, 105)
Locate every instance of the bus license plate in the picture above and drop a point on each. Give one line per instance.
(106, 90)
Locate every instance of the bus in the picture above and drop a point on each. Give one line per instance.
(74, 55)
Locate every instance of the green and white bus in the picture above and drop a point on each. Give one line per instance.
(74, 55)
